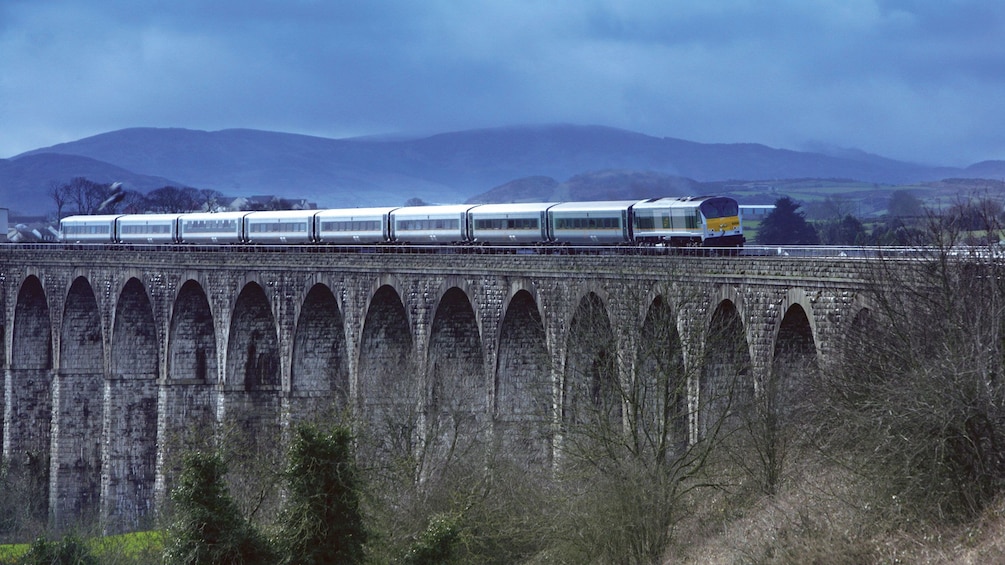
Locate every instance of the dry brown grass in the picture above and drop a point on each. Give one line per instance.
(822, 515)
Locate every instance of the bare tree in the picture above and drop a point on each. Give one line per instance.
(59, 194)
(89, 197)
(170, 199)
(918, 402)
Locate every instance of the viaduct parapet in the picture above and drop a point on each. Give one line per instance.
(116, 358)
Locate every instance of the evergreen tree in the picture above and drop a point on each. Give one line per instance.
(322, 521)
(846, 231)
(208, 527)
(786, 225)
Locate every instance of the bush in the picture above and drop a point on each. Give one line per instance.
(322, 521)
(438, 544)
(208, 526)
(70, 550)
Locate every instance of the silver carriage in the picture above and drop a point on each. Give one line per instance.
(359, 226)
(430, 224)
(148, 228)
(88, 229)
(212, 227)
(590, 223)
(280, 227)
(516, 224)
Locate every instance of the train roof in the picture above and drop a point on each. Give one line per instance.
(90, 218)
(448, 209)
(515, 207)
(675, 202)
(148, 217)
(356, 212)
(597, 206)
(201, 216)
(281, 214)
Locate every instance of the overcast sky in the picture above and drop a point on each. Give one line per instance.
(920, 80)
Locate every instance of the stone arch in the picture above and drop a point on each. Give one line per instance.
(523, 389)
(591, 393)
(319, 372)
(130, 457)
(81, 343)
(794, 341)
(27, 441)
(78, 410)
(31, 347)
(251, 397)
(459, 284)
(726, 386)
(796, 297)
(657, 400)
(253, 343)
(388, 386)
(455, 369)
(793, 365)
(192, 353)
(188, 393)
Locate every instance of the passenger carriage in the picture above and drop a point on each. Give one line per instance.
(430, 224)
(280, 226)
(514, 224)
(88, 229)
(212, 227)
(591, 223)
(357, 226)
(147, 228)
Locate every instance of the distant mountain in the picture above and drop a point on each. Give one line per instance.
(448, 167)
(598, 185)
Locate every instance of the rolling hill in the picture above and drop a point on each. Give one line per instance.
(447, 167)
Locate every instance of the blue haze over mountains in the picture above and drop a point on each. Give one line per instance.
(501, 164)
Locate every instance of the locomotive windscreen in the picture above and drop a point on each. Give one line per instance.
(719, 208)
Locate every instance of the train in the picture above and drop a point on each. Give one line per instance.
(704, 221)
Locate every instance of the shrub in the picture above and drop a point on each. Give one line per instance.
(322, 521)
(208, 526)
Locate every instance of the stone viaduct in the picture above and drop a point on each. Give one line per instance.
(114, 357)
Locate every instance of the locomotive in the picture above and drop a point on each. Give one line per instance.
(706, 221)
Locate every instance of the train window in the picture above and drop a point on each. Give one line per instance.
(645, 222)
(587, 223)
(507, 224)
(145, 229)
(427, 225)
(351, 225)
(276, 227)
(86, 229)
(719, 208)
(209, 226)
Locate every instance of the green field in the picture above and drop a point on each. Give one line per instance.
(125, 549)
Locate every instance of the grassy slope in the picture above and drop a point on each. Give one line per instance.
(825, 516)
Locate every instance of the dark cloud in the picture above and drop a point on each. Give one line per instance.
(915, 80)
